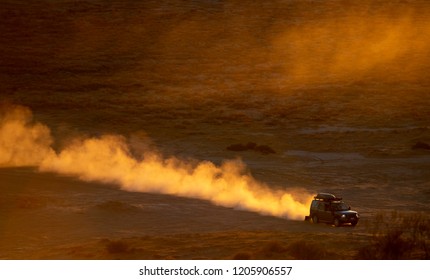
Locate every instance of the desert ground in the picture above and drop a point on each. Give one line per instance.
(201, 129)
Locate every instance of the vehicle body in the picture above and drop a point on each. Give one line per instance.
(328, 208)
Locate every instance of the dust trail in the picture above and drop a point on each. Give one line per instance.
(22, 142)
(388, 43)
(108, 159)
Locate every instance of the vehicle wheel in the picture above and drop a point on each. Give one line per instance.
(315, 219)
(353, 224)
(336, 222)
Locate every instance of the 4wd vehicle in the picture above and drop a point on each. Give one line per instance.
(328, 208)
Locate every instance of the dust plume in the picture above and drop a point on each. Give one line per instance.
(108, 159)
(219, 47)
(22, 142)
(356, 45)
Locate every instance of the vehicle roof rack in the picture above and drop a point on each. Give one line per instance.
(327, 197)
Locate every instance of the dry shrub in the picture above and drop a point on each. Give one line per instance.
(307, 250)
(421, 145)
(237, 148)
(251, 146)
(275, 247)
(398, 237)
(392, 246)
(272, 250)
(264, 149)
(300, 250)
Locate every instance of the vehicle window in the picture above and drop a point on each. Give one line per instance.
(340, 207)
(321, 206)
(314, 204)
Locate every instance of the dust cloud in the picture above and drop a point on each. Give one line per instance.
(294, 43)
(108, 159)
(356, 44)
(218, 47)
(112, 55)
(22, 142)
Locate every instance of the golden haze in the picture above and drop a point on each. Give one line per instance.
(108, 159)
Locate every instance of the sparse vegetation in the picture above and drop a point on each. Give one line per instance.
(307, 250)
(272, 250)
(299, 249)
(398, 237)
(251, 146)
(421, 146)
(264, 149)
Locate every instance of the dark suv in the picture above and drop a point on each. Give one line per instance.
(328, 208)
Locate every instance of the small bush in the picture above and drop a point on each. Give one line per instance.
(251, 146)
(391, 246)
(264, 149)
(272, 250)
(237, 148)
(305, 250)
(421, 146)
(398, 237)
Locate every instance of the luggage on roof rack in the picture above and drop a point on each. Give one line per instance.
(327, 197)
